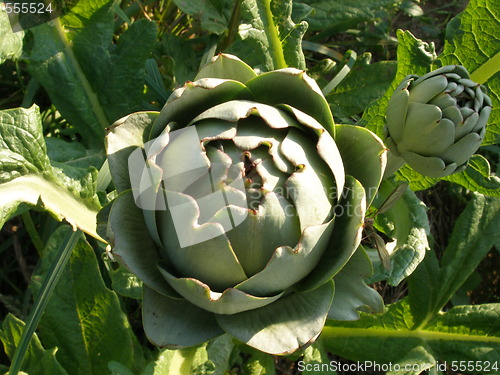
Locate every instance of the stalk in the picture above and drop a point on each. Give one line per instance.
(275, 47)
(43, 298)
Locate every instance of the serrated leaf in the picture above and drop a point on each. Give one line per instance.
(290, 33)
(214, 15)
(27, 176)
(314, 358)
(11, 44)
(73, 153)
(37, 361)
(476, 177)
(185, 361)
(76, 55)
(406, 221)
(475, 232)
(472, 41)
(125, 283)
(268, 34)
(83, 318)
(219, 352)
(259, 363)
(419, 355)
(184, 58)
(463, 333)
(340, 14)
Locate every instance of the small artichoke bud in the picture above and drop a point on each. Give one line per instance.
(436, 122)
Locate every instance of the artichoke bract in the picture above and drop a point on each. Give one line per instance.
(240, 206)
(437, 121)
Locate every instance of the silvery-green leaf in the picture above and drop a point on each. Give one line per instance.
(133, 246)
(346, 236)
(176, 323)
(227, 67)
(352, 295)
(124, 137)
(364, 156)
(282, 86)
(230, 301)
(285, 325)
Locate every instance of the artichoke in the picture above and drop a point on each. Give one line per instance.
(436, 122)
(238, 210)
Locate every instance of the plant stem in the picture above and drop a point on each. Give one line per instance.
(43, 298)
(233, 26)
(91, 95)
(487, 70)
(275, 46)
(394, 163)
(32, 232)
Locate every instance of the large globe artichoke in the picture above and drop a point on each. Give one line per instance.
(436, 122)
(237, 209)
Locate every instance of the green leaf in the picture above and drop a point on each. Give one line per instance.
(219, 352)
(281, 86)
(84, 318)
(364, 157)
(52, 277)
(472, 41)
(290, 34)
(314, 357)
(182, 53)
(283, 326)
(226, 66)
(419, 355)
(352, 295)
(414, 57)
(476, 177)
(176, 323)
(125, 283)
(475, 232)
(214, 15)
(27, 176)
(37, 361)
(11, 44)
(132, 244)
(365, 83)
(463, 333)
(259, 363)
(116, 368)
(268, 34)
(345, 238)
(76, 55)
(122, 139)
(406, 221)
(339, 14)
(185, 361)
(411, 9)
(73, 153)
(477, 323)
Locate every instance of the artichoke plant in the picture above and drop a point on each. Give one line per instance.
(437, 121)
(240, 207)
